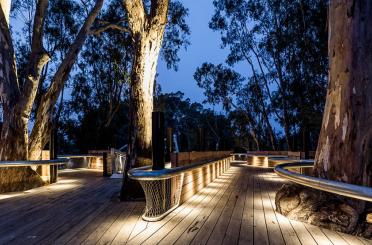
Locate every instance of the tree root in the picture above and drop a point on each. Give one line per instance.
(18, 179)
(321, 209)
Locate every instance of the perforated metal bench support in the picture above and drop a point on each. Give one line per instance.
(163, 188)
(162, 196)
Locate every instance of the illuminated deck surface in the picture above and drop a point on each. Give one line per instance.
(237, 208)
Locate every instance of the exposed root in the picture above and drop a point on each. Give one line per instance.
(18, 179)
(321, 209)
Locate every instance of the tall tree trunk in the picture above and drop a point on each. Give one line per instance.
(17, 100)
(14, 130)
(18, 110)
(255, 139)
(346, 134)
(14, 134)
(345, 141)
(142, 90)
(43, 123)
(147, 31)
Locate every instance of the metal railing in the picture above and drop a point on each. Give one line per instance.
(118, 159)
(263, 161)
(79, 156)
(93, 161)
(58, 161)
(349, 190)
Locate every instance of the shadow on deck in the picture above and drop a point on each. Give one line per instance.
(237, 208)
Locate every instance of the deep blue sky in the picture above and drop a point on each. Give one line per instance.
(204, 47)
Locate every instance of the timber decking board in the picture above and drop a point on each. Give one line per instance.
(238, 207)
(194, 228)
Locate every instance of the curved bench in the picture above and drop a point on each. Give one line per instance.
(259, 160)
(49, 175)
(336, 187)
(166, 189)
(58, 161)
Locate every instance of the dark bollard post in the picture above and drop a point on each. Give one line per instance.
(158, 140)
(53, 169)
(105, 165)
(305, 148)
(305, 142)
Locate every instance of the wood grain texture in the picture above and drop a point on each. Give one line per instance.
(236, 208)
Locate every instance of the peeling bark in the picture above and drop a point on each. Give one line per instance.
(346, 130)
(13, 129)
(345, 141)
(14, 134)
(147, 31)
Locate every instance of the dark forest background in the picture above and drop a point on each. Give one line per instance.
(282, 44)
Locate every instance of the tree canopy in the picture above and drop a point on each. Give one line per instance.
(284, 47)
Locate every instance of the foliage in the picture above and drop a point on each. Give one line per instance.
(284, 45)
(86, 132)
(176, 34)
(97, 114)
(185, 118)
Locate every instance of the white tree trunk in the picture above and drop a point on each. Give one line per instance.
(5, 6)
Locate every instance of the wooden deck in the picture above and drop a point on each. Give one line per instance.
(237, 208)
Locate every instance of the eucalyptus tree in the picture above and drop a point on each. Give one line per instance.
(104, 75)
(344, 147)
(18, 89)
(223, 85)
(148, 22)
(95, 117)
(186, 117)
(18, 93)
(283, 44)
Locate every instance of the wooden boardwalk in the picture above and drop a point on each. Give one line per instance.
(83, 208)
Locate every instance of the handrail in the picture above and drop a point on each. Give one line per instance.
(349, 190)
(146, 173)
(58, 161)
(257, 155)
(79, 156)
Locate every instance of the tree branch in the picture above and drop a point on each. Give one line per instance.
(9, 87)
(137, 16)
(42, 127)
(158, 13)
(106, 26)
(37, 60)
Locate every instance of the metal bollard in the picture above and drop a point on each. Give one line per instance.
(53, 169)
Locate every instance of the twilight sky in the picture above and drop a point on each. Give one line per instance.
(204, 47)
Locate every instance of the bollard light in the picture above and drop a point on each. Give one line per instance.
(158, 162)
